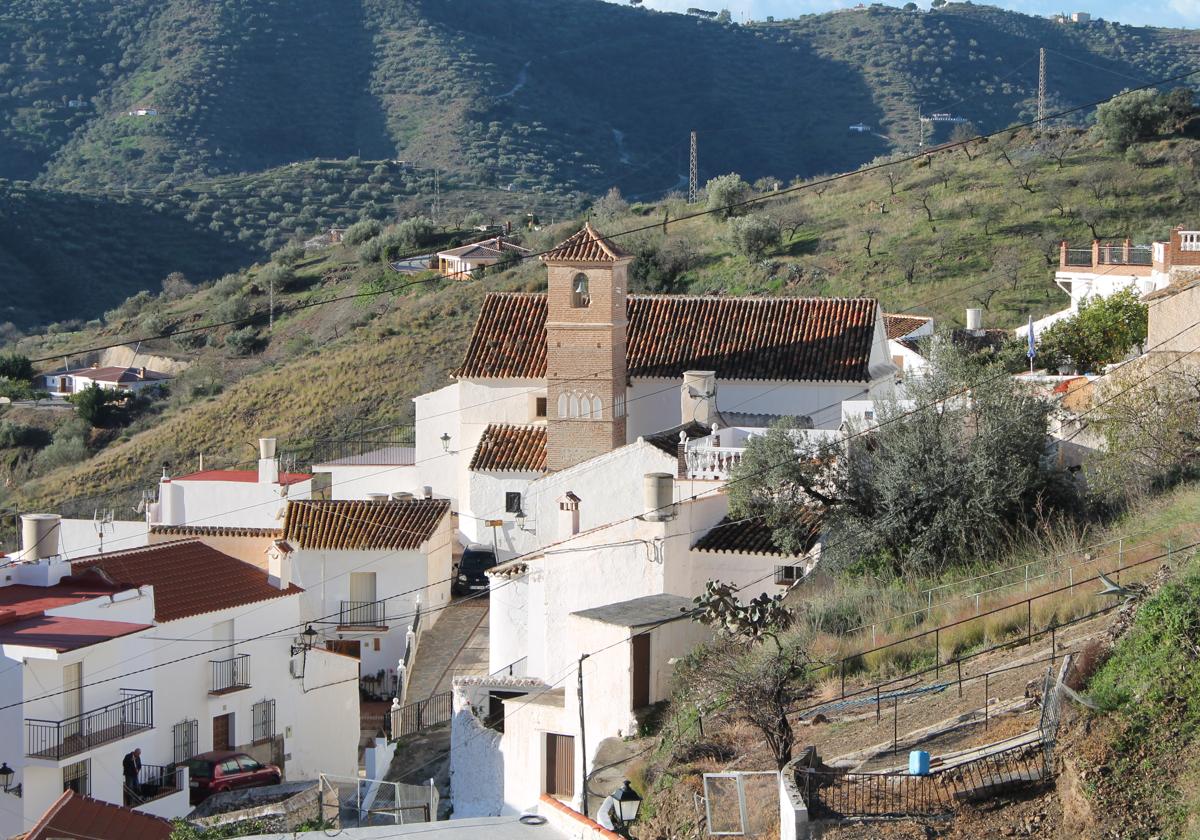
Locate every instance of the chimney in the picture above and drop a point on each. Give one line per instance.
(698, 398)
(975, 321)
(568, 514)
(658, 497)
(279, 564)
(268, 465)
(427, 492)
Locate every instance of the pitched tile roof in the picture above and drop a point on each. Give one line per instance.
(747, 536)
(214, 531)
(506, 448)
(488, 249)
(898, 326)
(73, 816)
(358, 525)
(189, 577)
(586, 245)
(509, 340)
(813, 339)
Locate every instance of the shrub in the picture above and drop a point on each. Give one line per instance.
(67, 447)
(93, 404)
(288, 255)
(361, 232)
(280, 276)
(751, 236)
(15, 366)
(725, 191)
(243, 342)
(14, 435)
(176, 286)
(232, 309)
(1130, 117)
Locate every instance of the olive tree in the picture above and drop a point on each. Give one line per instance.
(726, 191)
(751, 236)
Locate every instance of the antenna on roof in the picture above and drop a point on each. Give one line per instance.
(102, 523)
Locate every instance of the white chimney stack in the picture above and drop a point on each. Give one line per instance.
(268, 465)
(975, 320)
(658, 496)
(279, 564)
(698, 397)
(568, 515)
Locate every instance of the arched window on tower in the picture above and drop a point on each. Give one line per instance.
(597, 414)
(581, 297)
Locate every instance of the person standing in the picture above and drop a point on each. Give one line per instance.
(131, 765)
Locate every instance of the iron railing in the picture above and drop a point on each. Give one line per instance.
(154, 782)
(230, 674)
(833, 793)
(1079, 256)
(58, 739)
(421, 715)
(363, 614)
(377, 446)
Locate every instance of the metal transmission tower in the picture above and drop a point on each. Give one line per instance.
(1041, 112)
(692, 173)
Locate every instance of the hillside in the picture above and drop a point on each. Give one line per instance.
(273, 120)
(997, 218)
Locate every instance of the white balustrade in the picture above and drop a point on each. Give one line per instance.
(712, 462)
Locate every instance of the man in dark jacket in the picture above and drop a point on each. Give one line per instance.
(131, 764)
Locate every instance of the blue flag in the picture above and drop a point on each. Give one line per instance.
(1032, 344)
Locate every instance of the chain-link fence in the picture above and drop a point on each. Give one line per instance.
(741, 804)
(368, 802)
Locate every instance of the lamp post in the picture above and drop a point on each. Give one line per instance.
(626, 804)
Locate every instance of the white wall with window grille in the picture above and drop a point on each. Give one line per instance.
(186, 738)
(78, 777)
(263, 714)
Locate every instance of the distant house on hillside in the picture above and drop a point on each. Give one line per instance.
(904, 333)
(149, 111)
(460, 262)
(325, 240)
(62, 383)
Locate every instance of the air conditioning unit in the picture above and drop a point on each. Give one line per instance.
(296, 668)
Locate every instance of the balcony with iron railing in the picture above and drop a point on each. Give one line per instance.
(58, 739)
(362, 614)
(155, 782)
(1100, 254)
(229, 675)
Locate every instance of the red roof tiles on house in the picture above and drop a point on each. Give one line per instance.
(359, 525)
(214, 531)
(748, 536)
(242, 476)
(189, 578)
(792, 339)
(587, 245)
(898, 326)
(511, 449)
(62, 633)
(77, 816)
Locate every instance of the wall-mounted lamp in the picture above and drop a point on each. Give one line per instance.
(445, 441)
(6, 777)
(309, 641)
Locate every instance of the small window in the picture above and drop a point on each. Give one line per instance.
(186, 736)
(619, 405)
(78, 777)
(539, 409)
(512, 502)
(580, 295)
(263, 720)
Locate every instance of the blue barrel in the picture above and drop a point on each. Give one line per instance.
(918, 763)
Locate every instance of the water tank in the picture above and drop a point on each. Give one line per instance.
(427, 492)
(659, 496)
(401, 496)
(974, 319)
(377, 497)
(39, 535)
(266, 448)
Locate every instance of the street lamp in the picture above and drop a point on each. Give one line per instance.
(445, 441)
(309, 637)
(6, 775)
(626, 803)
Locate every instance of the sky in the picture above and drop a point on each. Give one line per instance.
(1184, 13)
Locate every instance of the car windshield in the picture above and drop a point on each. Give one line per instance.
(198, 768)
(477, 561)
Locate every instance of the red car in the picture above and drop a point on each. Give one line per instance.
(221, 770)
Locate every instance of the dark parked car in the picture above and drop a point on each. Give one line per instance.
(476, 560)
(221, 770)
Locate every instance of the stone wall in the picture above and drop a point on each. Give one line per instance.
(277, 808)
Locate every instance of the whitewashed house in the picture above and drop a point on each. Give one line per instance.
(461, 262)
(68, 381)
(372, 571)
(235, 498)
(175, 649)
(905, 334)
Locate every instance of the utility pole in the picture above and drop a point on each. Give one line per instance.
(920, 129)
(583, 738)
(437, 195)
(1041, 112)
(271, 327)
(692, 173)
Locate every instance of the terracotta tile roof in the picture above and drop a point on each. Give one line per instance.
(813, 339)
(586, 245)
(75, 816)
(214, 531)
(488, 249)
(898, 326)
(748, 536)
(62, 633)
(242, 476)
(189, 578)
(357, 525)
(509, 340)
(511, 449)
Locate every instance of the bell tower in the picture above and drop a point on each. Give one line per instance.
(587, 277)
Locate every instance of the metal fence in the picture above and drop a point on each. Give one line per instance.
(375, 446)
(741, 803)
(421, 715)
(230, 674)
(154, 782)
(58, 739)
(367, 802)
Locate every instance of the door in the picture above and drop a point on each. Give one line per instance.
(641, 670)
(560, 766)
(362, 595)
(222, 732)
(72, 699)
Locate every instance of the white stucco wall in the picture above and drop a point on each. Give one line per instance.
(356, 482)
(523, 747)
(80, 537)
(476, 760)
(233, 503)
(508, 625)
